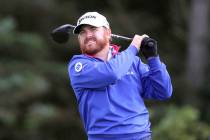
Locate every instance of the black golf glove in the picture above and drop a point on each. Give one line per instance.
(149, 47)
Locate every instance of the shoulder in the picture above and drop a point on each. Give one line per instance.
(79, 61)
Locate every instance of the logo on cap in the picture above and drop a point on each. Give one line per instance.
(78, 67)
(85, 17)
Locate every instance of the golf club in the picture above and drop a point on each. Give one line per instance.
(62, 33)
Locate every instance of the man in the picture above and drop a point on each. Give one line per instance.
(110, 86)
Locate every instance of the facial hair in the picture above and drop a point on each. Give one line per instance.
(92, 49)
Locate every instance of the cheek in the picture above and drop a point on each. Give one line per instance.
(80, 40)
(98, 35)
(102, 36)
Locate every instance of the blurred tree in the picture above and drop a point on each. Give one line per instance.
(197, 57)
(30, 98)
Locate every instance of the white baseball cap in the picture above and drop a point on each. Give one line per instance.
(93, 19)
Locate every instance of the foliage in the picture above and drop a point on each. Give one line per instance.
(181, 124)
(31, 103)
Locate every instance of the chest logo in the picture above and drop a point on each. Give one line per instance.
(78, 67)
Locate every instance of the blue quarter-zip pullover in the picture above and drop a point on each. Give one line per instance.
(110, 93)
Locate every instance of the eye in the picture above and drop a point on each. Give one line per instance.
(81, 32)
(93, 28)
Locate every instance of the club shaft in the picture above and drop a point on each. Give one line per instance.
(113, 35)
(121, 37)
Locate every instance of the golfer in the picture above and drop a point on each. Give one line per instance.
(110, 86)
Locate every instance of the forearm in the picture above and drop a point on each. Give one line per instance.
(156, 82)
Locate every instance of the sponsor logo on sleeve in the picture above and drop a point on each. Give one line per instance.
(78, 67)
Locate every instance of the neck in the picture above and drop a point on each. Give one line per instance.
(103, 54)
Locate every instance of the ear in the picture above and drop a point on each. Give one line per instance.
(109, 33)
(78, 38)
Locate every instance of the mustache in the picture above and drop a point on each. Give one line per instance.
(88, 39)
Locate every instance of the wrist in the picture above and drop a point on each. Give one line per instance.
(135, 45)
(152, 57)
(154, 62)
(134, 49)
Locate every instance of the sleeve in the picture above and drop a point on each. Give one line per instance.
(155, 79)
(86, 73)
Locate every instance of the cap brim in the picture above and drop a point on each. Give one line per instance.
(77, 29)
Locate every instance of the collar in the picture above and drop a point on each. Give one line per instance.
(113, 50)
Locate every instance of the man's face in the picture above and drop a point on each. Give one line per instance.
(93, 39)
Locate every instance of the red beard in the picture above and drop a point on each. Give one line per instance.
(94, 47)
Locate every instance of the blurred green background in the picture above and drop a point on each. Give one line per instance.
(36, 100)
